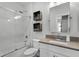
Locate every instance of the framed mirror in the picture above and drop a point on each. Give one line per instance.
(60, 18)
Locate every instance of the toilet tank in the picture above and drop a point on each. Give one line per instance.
(36, 43)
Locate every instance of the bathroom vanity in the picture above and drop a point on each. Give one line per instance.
(53, 48)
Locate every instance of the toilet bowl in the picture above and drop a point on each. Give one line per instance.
(33, 50)
(30, 52)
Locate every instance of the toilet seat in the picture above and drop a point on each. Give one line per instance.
(30, 51)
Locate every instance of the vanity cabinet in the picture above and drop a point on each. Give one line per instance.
(47, 50)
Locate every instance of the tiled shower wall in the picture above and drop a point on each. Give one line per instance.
(12, 33)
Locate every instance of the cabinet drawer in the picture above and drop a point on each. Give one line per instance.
(64, 51)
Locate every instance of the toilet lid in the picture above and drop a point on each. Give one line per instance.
(30, 51)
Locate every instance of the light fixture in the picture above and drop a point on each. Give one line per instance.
(17, 17)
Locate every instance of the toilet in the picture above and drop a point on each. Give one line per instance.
(31, 52)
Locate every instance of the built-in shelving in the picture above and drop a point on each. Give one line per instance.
(37, 18)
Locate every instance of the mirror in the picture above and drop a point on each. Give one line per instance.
(62, 23)
(59, 18)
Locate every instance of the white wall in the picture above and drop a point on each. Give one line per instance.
(74, 12)
(44, 8)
